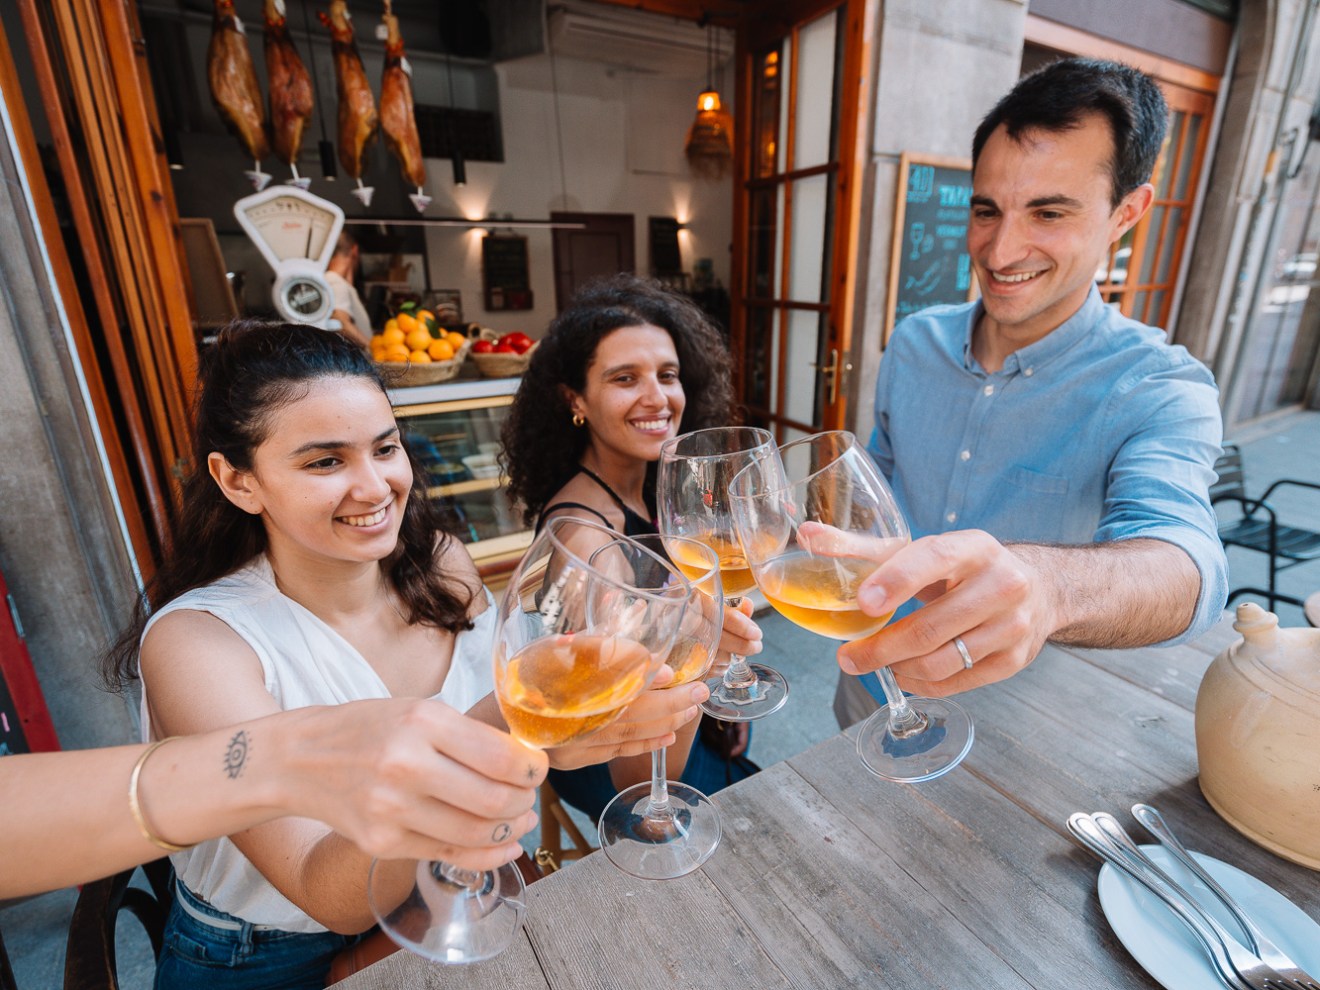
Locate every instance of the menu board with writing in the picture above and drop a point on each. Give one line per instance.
(929, 264)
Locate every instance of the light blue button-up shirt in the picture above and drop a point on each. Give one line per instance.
(1099, 431)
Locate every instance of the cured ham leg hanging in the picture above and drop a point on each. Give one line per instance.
(291, 101)
(234, 87)
(397, 120)
(358, 121)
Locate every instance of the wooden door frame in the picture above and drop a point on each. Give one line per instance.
(561, 237)
(847, 186)
(93, 81)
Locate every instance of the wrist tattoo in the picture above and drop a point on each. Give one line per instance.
(237, 754)
(501, 833)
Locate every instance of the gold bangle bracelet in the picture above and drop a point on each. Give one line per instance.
(136, 808)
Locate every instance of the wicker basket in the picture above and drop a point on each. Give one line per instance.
(503, 365)
(402, 374)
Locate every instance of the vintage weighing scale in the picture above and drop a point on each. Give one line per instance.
(296, 233)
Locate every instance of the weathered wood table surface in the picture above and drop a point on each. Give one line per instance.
(828, 877)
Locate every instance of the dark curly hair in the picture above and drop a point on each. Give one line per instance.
(542, 448)
(254, 369)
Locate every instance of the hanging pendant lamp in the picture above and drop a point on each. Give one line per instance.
(709, 146)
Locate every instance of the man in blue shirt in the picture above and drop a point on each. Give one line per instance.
(1052, 456)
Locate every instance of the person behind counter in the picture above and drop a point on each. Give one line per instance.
(311, 571)
(625, 367)
(1062, 491)
(340, 272)
(398, 777)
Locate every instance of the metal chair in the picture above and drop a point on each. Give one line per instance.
(90, 955)
(1258, 527)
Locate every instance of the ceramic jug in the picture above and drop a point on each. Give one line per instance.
(1258, 735)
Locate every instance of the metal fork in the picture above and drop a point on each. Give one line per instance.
(1257, 940)
(1237, 968)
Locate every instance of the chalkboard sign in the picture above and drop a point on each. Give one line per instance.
(504, 273)
(929, 264)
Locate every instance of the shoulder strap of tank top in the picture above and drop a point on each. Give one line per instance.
(608, 490)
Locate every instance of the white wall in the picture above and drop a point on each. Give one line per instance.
(622, 146)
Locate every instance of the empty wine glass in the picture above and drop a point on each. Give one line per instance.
(665, 829)
(574, 644)
(814, 525)
(692, 499)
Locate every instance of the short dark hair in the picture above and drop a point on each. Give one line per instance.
(1059, 96)
(346, 242)
(542, 447)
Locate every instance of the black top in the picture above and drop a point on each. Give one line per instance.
(633, 524)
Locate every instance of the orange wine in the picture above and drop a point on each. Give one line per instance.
(735, 572)
(558, 688)
(820, 593)
(690, 658)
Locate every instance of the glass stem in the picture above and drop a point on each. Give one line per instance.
(904, 720)
(457, 876)
(659, 806)
(738, 676)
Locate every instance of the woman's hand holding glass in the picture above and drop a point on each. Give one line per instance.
(574, 645)
(815, 523)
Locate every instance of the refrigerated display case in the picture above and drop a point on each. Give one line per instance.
(454, 429)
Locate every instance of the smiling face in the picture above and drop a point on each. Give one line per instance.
(330, 481)
(1041, 224)
(632, 401)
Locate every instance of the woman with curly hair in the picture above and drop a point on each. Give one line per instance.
(626, 366)
(309, 569)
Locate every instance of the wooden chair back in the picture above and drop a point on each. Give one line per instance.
(89, 962)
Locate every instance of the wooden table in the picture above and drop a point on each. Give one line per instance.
(828, 877)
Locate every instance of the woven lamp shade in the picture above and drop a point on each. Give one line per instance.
(709, 145)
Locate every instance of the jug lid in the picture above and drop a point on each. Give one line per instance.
(1292, 656)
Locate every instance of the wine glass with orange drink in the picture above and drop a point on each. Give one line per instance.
(693, 502)
(663, 828)
(815, 523)
(575, 643)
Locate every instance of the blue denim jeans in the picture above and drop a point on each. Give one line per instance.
(228, 953)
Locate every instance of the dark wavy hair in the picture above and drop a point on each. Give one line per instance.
(1057, 96)
(254, 369)
(542, 448)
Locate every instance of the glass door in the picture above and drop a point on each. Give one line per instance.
(794, 249)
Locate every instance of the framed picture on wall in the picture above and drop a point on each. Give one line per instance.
(505, 277)
(446, 304)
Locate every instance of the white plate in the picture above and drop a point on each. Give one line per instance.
(1168, 951)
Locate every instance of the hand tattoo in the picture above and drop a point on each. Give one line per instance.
(236, 755)
(501, 833)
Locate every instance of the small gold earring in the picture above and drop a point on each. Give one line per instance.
(578, 420)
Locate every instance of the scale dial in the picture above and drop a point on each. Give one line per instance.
(287, 223)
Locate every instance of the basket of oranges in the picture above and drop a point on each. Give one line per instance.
(413, 349)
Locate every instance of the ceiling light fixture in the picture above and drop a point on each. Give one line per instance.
(709, 145)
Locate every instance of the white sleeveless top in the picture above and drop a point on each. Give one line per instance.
(305, 663)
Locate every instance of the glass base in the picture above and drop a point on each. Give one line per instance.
(449, 922)
(923, 755)
(659, 847)
(763, 698)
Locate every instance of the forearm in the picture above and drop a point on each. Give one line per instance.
(185, 793)
(1115, 595)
